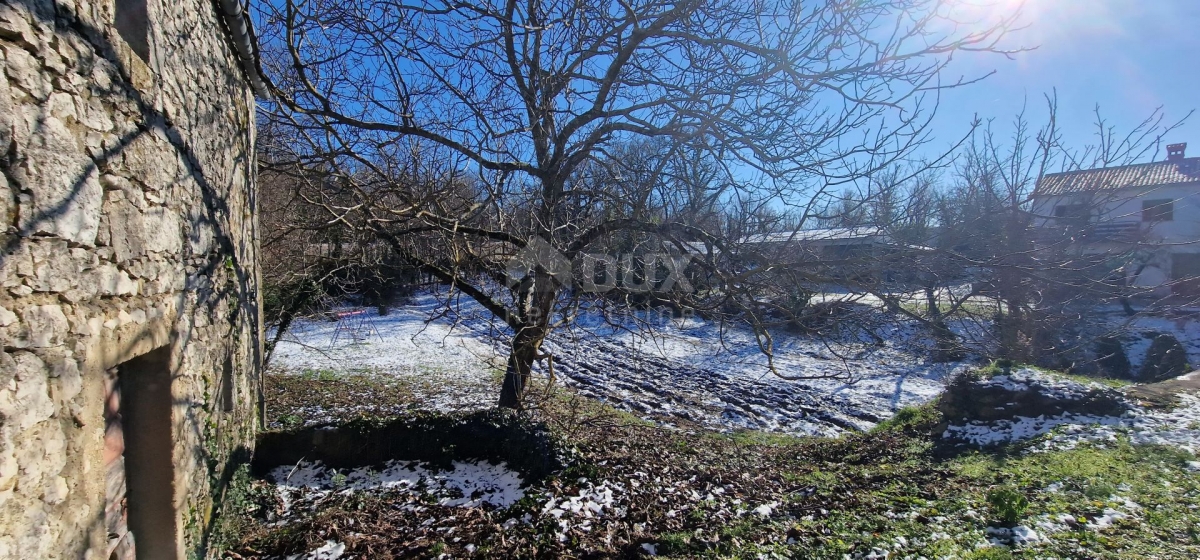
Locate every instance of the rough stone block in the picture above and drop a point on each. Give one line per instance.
(43, 326)
(15, 26)
(6, 109)
(106, 279)
(161, 230)
(25, 71)
(62, 107)
(15, 265)
(54, 268)
(66, 195)
(7, 208)
(125, 226)
(26, 400)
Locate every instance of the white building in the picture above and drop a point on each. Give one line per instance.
(1148, 213)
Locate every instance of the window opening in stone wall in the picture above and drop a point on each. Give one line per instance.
(116, 514)
(133, 24)
(145, 411)
(227, 382)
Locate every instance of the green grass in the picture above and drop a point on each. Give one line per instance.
(849, 495)
(748, 438)
(1110, 382)
(910, 419)
(997, 367)
(970, 309)
(985, 489)
(310, 374)
(240, 499)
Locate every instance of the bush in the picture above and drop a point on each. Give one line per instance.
(1007, 505)
(438, 439)
(1111, 357)
(968, 397)
(1165, 359)
(921, 419)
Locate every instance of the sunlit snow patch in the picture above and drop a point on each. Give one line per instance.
(331, 550)
(1179, 427)
(465, 485)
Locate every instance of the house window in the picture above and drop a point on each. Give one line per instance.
(1071, 213)
(133, 24)
(1158, 210)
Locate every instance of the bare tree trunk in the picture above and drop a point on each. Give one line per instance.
(524, 353)
(931, 304)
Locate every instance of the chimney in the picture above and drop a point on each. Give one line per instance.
(1175, 151)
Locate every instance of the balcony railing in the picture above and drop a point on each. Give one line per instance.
(1116, 231)
(1123, 231)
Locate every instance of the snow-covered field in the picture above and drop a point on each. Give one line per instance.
(668, 369)
(658, 367)
(694, 369)
(449, 367)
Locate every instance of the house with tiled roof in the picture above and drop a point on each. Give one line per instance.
(1147, 213)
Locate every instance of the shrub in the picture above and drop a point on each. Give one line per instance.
(1165, 359)
(1111, 357)
(1007, 505)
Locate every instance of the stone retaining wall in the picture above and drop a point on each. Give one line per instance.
(126, 225)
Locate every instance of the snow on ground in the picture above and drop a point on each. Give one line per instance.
(449, 368)
(1179, 427)
(677, 369)
(665, 368)
(1055, 387)
(466, 484)
(694, 369)
(331, 550)
(1185, 328)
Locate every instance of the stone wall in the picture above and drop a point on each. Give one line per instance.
(126, 225)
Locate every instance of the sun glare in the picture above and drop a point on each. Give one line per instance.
(1051, 22)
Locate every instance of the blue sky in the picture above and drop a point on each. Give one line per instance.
(1128, 56)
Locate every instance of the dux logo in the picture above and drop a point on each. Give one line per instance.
(538, 253)
(599, 272)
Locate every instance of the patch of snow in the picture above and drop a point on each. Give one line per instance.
(1027, 379)
(1142, 327)
(1106, 519)
(1017, 536)
(1177, 428)
(591, 501)
(465, 485)
(1049, 525)
(331, 550)
(663, 368)
(649, 549)
(434, 355)
(766, 509)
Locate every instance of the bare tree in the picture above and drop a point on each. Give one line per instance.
(464, 133)
(1028, 273)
